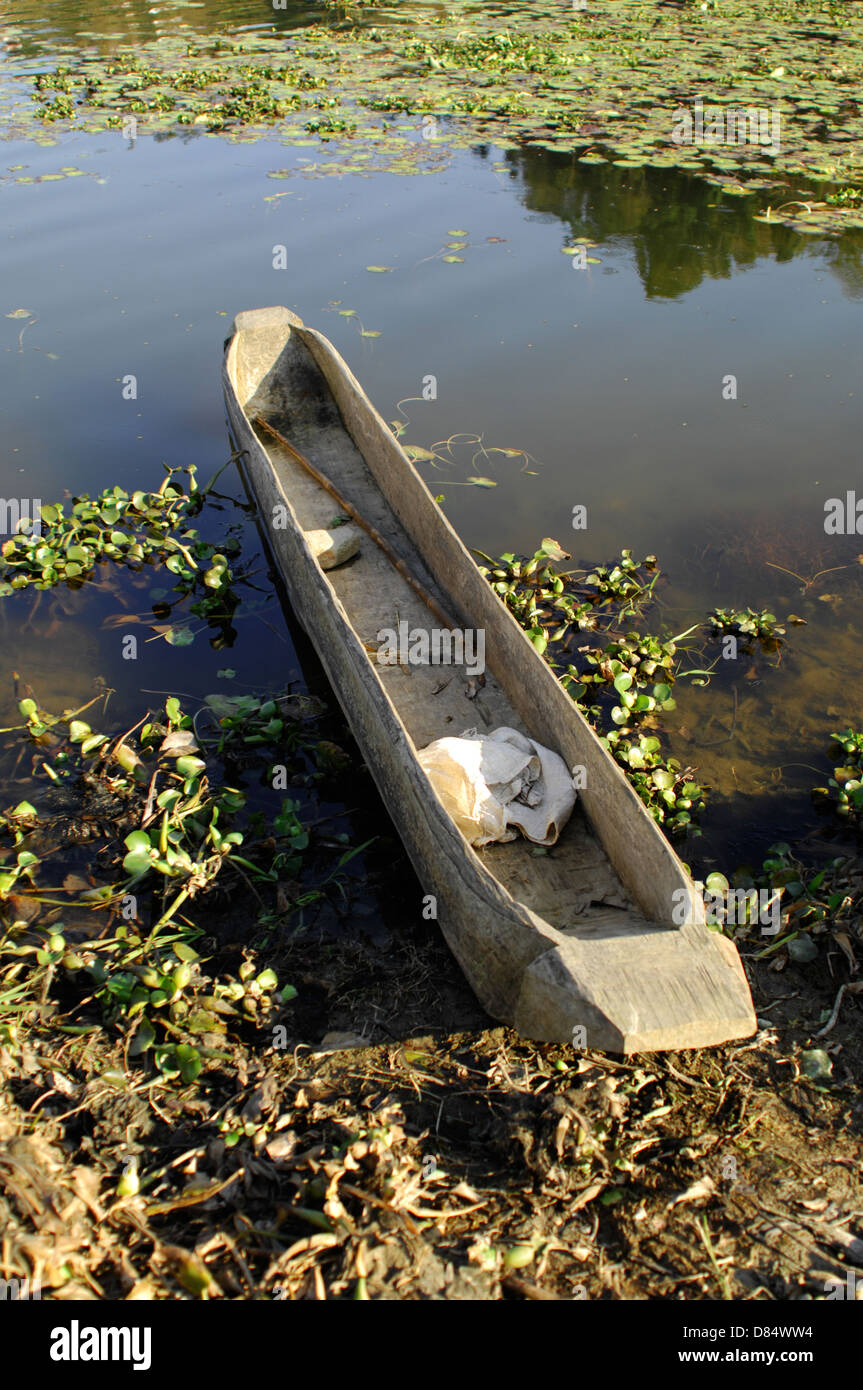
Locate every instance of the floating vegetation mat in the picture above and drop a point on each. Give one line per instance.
(755, 97)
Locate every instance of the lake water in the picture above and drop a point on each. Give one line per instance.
(609, 377)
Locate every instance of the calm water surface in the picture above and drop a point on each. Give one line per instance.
(610, 378)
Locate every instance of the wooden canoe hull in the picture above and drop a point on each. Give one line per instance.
(623, 974)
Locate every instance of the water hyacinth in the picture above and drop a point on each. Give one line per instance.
(604, 83)
(68, 540)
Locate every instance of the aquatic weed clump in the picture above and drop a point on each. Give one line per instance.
(624, 684)
(123, 837)
(750, 625)
(844, 791)
(68, 541)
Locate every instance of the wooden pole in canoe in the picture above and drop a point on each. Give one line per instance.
(354, 514)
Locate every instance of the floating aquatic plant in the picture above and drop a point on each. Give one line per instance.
(69, 539)
(844, 790)
(622, 685)
(751, 625)
(604, 83)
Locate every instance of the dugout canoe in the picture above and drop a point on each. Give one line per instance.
(581, 938)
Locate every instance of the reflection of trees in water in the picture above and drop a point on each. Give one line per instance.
(681, 230)
(845, 259)
(143, 20)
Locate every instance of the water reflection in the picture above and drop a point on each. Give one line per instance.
(30, 28)
(681, 231)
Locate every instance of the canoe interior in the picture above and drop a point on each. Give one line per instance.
(573, 885)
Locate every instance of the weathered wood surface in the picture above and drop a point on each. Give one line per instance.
(580, 937)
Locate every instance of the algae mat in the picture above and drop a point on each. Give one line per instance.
(665, 85)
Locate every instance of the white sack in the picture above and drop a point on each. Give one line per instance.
(495, 784)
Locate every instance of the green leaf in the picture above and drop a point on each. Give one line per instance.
(145, 1036)
(114, 1077)
(137, 862)
(90, 744)
(127, 757)
(180, 636)
(190, 767)
(189, 1060)
(137, 839)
